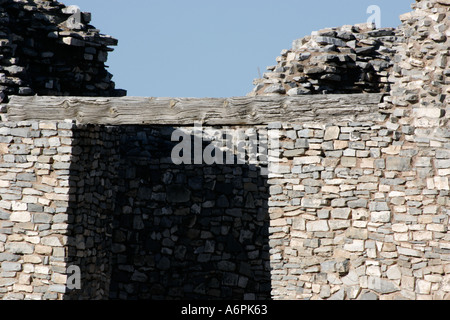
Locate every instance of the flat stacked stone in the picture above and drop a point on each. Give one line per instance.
(348, 59)
(34, 187)
(360, 210)
(353, 206)
(418, 106)
(47, 48)
(355, 215)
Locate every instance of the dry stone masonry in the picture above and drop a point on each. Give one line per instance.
(350, 202)
(47, 48)
(348, 59)
(110, 201)
(372, 223)
(350, 219)
(36, 158)
(187, 231)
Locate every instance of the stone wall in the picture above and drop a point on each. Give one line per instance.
(353, 206)
(109, 201)
(56, 202)
(341, 216)
(34, 201)
(348, 59)
(373, 219)
(48, 48)
(351, 220)
(93, 184)
(190, 231)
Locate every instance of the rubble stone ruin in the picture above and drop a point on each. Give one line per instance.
(336, 184)
(348, 59)
(47, 48)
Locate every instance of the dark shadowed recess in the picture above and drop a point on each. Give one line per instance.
(145, 228)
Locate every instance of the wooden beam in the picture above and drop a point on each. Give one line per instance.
(258, 110)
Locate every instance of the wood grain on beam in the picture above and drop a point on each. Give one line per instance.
(186, 111)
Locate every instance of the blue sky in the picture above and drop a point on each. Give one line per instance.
(211, 48)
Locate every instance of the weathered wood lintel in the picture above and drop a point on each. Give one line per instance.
(187, 111)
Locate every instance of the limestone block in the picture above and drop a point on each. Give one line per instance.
(348, 161)
(340, 145)
(423, 287)
(332, 133)
(317, 226)
(341, 213)
(409, 252)
(311, 203)
(11, 266)
(380, 217)
(382, 286)
(355, 246)
(394, 273)
(19, 248)
(51, 241)
(307, 160)
(428, 112)
(398, 164)
(441, 183)
(20, 216)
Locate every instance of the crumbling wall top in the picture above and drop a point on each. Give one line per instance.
(47, 48)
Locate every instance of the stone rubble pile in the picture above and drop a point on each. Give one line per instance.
(47, 48)
(364, 212)
(421, 71)
(347, 59)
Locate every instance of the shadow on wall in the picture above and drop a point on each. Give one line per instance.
(145, 228)
(93, 182)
